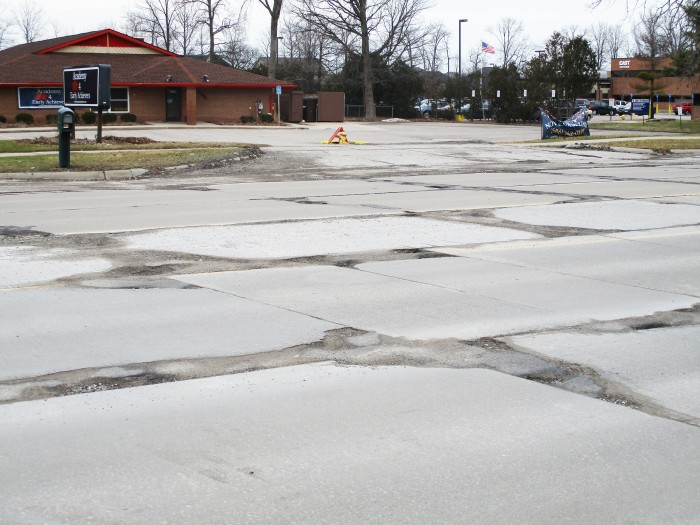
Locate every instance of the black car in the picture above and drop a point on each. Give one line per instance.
(601, 107)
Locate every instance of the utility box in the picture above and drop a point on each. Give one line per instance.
(331, 106)
(66, 120)
(66, 129)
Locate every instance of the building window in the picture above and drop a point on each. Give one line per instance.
(120, 100)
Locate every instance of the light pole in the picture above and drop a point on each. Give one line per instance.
(277, 54)
(459, 68)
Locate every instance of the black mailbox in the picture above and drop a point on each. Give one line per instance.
(66, 129)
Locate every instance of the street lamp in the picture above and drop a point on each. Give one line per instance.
(277, 54)
(459, 68)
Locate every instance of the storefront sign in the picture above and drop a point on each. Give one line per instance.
(87, 86)
(624, 64)
(39, 98)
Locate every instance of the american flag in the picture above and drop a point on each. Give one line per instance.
(485, 48)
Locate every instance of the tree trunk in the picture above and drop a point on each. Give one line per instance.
(274, 51)
(368, 76)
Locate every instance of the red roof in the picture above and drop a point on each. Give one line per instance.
(41, 64)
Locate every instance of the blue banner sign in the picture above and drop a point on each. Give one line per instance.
(39, 98)
(576, 126)
(640, 106)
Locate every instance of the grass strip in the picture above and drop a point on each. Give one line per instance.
(656, 125)
(117, 160)
(21, 146)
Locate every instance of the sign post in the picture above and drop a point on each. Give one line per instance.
(278, 91)
(88, 87)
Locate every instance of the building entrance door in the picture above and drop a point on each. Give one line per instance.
(173, 105)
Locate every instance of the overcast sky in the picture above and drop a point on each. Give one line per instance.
(540, 17)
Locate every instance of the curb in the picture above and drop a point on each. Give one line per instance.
(76, 175)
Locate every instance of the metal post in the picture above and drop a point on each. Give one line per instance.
(63, 150)
(98, 139)
(459, 68)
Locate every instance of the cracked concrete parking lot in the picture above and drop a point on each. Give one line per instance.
(445, 324)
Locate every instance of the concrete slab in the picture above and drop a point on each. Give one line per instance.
(436, 200)
(129, 218)
(108, 198)
(491, 180)
(668, 262)
(630, 189)
(319, 444)
(672, 170)
(314, 188)
(684, 237)
(607, 215)
(694, 200)
(25, 265)
(567, 299)
(53, 330)
(400, 307)
(661, 364)
(306, 238)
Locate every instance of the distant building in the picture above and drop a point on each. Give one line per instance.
(148, 81)
(668, 91)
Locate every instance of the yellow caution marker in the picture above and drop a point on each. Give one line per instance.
(340, 137)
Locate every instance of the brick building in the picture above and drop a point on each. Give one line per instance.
(150, 82)
(667, 90)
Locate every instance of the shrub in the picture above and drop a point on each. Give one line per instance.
(3, 119)
(109, 118)
(247, 119)
(267, 117)
(128, 117)
(51, 118)
(25, 118)
(89, 117)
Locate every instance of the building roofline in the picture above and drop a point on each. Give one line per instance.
(90, 36)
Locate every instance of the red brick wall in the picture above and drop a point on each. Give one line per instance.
(229, 105)
(148, 104)
(225, 105)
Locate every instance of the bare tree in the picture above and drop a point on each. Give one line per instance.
(186, 25)
(273, 7)
(378, 29)
(661, 6)
(432, 52)
(4, 36)
(617, 40)
(674, 34)
(647, 35)
(573, 31)
(157, 18)
(236, 51)
(600, 42)
(213, 17)
(511, 40)
(476, 60)
(29, 18)
(154, 20)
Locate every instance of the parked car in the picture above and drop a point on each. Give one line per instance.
(618, 106)
(684, 107)
(602, 107)
(426, 108)
(625, 109)
(583, 103)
